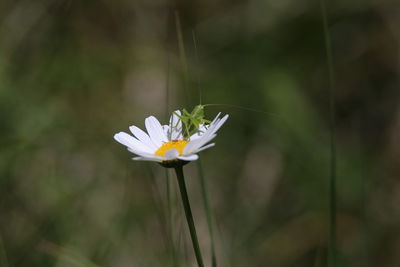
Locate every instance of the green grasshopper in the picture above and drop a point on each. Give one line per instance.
(191, 121)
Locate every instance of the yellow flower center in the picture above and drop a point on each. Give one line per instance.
(175, 144)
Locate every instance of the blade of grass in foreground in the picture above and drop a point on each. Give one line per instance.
(332, 177)
(203, 185)
(207, 207)
(170, 233)
(158, 206)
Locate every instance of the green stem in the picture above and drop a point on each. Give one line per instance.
(169, 219)
(189, 216)
(207, 207)
(332, 125)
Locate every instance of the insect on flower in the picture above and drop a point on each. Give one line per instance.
(192, 120)
(179, 141)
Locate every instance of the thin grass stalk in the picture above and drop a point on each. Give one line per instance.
(167, 176)
(332, 257)
(182, 242)
(203, 183)
(159, 207)
(182, 54)
(207, 207)
(188, 213)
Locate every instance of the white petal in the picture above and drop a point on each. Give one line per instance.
(215, 119)
(176, 133)
(143, 137)
(220, 123)
(166, 130)
(155, 131)
(194, 145)
(175, 124)
(214, 127)
(142, 153)
(174, 120)
(199, 133)
(147, 159)
(198, 142)
(131, 142)
(191, 146)
(207, 133)
(217, 123)
(205, 147)
(171, 154)
(189, 157)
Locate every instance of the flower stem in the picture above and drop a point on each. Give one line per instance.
(169, 220)
(189, 216)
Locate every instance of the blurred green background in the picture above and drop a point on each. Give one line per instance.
(73, 73)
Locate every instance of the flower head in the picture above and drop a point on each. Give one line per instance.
(167, 144)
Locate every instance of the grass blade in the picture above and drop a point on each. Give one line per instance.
(207, 207)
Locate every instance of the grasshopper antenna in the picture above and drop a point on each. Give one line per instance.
(182, 54)
(243, 108)
(197, 63)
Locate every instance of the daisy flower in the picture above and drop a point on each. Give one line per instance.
(167, 144)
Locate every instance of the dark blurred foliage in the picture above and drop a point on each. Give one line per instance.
(73, 73)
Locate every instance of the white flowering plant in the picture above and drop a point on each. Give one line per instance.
(173, 143)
